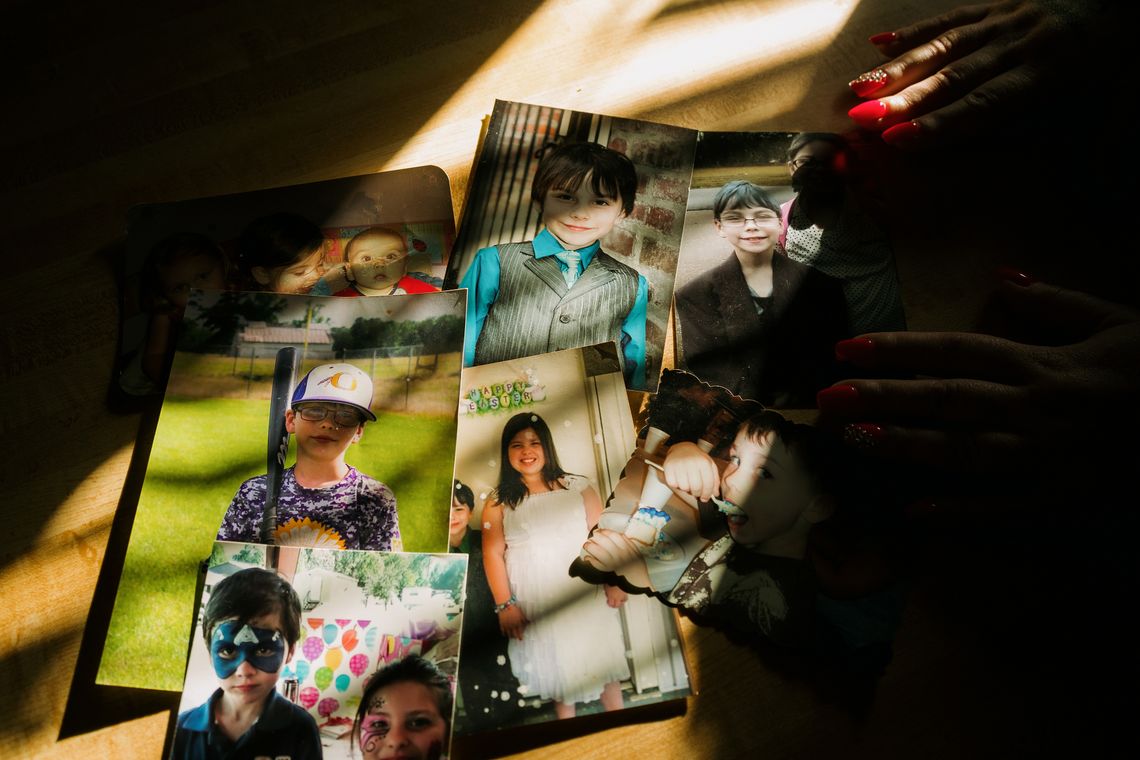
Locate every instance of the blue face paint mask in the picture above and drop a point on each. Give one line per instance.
(235, 642)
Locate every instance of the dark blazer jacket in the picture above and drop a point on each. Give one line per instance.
(781, 360)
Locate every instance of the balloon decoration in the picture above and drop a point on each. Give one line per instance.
(358, 663)
(312, 648)
(334, 661)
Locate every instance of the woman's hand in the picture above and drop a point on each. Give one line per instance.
(691, 470)
(988, 404)
(957, 73)
(615, 597)
(512, 622)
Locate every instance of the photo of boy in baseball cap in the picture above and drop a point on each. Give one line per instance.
(324, 502)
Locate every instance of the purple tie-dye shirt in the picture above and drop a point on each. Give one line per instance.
(359, 512)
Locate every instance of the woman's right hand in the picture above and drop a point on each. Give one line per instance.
(512, 622)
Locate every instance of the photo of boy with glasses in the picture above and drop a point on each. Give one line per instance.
(757, 322)
(324, 502)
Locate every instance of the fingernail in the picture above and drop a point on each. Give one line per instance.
(872, 81)
(1009, 274)
(903, 135)
(864, 435)
(882, 38)
(869, 114)
(838, 398)
(855, 350)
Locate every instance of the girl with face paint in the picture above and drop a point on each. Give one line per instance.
(405, 712)
(251, 623)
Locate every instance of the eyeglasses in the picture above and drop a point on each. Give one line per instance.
(340, 417)
(738, 220)
(799, 161)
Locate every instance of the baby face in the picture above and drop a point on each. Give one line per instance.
(769, 484)
(378, 260)
(298, 277)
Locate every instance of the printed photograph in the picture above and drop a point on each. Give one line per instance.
(359, 451)
(378, 234)
(783, 255)
(570, 234)
(540, 440)
(754, 524)
(315, 653)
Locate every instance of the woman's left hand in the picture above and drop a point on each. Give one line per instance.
(988, 404)
(958, 73)
(615, 597)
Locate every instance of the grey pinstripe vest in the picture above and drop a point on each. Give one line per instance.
(534, 313)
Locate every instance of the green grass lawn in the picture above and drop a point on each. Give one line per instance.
(203, 450)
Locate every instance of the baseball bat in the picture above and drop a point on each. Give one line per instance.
(284, 370)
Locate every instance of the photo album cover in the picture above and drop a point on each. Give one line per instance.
(541, 439)
(569, 236)
(309, 653)
(371, 442)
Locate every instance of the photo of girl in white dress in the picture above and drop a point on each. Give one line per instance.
(541, 442)
(566, 638)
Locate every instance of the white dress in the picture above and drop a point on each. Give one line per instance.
(573, 644)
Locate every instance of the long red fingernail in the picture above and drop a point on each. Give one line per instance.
(903, 135)
(1017, 277)
(882, 38)
(855, 350)
(864, 435)
(872, 81)
(869, 114)
(838, 398)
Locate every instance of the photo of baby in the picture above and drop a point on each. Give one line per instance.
(570, 236)
(380, 234)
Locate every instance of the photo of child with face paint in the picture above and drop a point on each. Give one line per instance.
(405, 712)
(251, 624)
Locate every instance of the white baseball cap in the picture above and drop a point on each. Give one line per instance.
(338, 383)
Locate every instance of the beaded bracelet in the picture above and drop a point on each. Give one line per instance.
(500, 607)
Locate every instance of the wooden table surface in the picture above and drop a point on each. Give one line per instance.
(108, 107)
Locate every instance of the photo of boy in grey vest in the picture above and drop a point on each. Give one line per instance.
(561, 290)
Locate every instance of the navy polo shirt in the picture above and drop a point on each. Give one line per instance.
(284, 731)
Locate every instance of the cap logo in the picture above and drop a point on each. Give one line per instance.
(341, 381)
